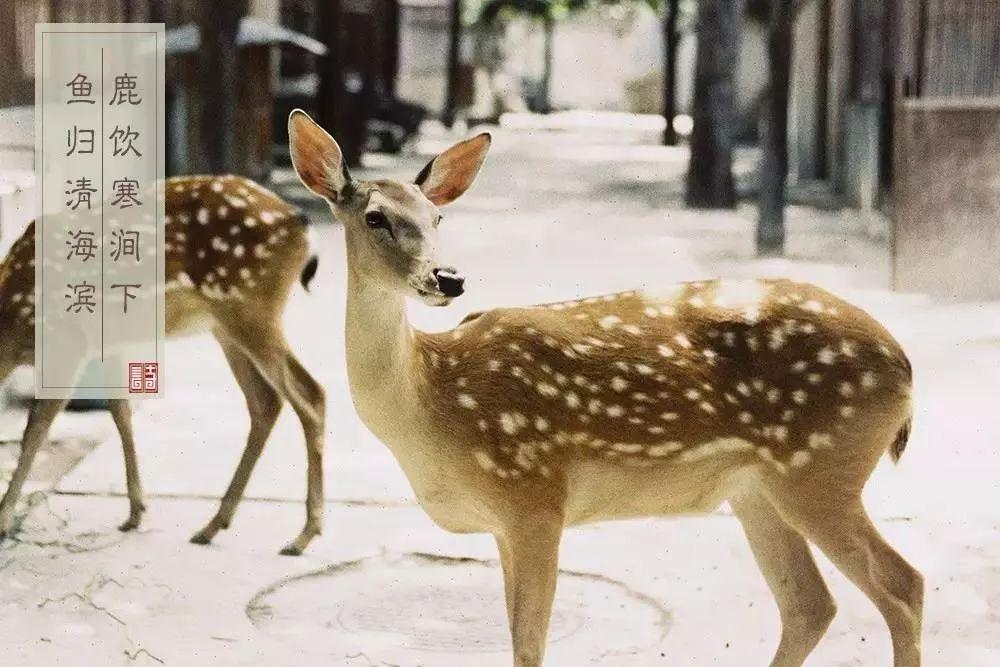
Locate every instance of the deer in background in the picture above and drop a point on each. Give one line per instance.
(233, 252)
(775, 396)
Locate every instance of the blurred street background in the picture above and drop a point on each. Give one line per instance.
(850, 143)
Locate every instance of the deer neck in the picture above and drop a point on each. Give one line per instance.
(381, 353)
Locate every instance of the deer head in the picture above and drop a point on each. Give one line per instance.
(391, 227)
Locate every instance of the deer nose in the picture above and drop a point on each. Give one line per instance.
(449, 281)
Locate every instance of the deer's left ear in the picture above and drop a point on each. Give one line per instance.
(317, 158)
(445, 178)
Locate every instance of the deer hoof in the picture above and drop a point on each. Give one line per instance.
(291, 550)
(131, 524)
(200, 538)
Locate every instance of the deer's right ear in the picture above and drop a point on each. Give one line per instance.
(317, 158)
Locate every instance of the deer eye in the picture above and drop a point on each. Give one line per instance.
(377, 220)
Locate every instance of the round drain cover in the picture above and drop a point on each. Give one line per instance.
(446, 605)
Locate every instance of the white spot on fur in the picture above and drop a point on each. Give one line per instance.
(609, 321)
(820, 441)
(508, 424)
(665, 449)
(826, 356)
(800, 459)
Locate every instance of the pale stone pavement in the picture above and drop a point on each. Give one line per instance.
(558, 213)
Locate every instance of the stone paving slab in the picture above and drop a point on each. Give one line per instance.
(688, 585)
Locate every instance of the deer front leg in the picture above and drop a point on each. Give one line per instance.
(43, 412)
(529, 556)
(121, 412)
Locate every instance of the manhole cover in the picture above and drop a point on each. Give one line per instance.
(445, 605)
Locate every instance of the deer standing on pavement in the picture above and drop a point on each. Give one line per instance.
(775, 396)
(233, 252)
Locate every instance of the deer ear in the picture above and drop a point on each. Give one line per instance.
(317, 158)
(445, 178)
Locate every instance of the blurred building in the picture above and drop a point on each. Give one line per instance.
(945, 159)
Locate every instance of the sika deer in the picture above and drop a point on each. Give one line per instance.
(233, 252)
(775, 396)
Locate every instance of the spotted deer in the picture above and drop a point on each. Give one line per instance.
(233, 253)
(775, 396)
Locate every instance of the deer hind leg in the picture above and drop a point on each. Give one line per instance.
(309, 400)
(264, 405)
(271, 356)
(841, 528)
(42, 414)
(121, 412)
(529, 556)
(804, 602)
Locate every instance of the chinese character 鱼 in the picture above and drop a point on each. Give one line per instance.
(81, 244)
(124, 140)
(124, 244)
(82, 296)
(126, 192)
(80, 191)
(79, 141)
(125, 91)
(126, 294)
(80, 89)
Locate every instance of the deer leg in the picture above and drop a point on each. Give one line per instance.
(506, 562)
(264, 405)
(804, 602)
(276, 362)
(530, 569)
(43, 412)
(121, 412)
(309, 401)
(841, 528)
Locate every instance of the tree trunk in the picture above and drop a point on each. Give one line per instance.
(330, 96)
(670, 41)
(710, 174)
(774, 141)
(345, 86)
(390, 65)
(12, 85)
(454, 45)
(545, 101)
(219, 24)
